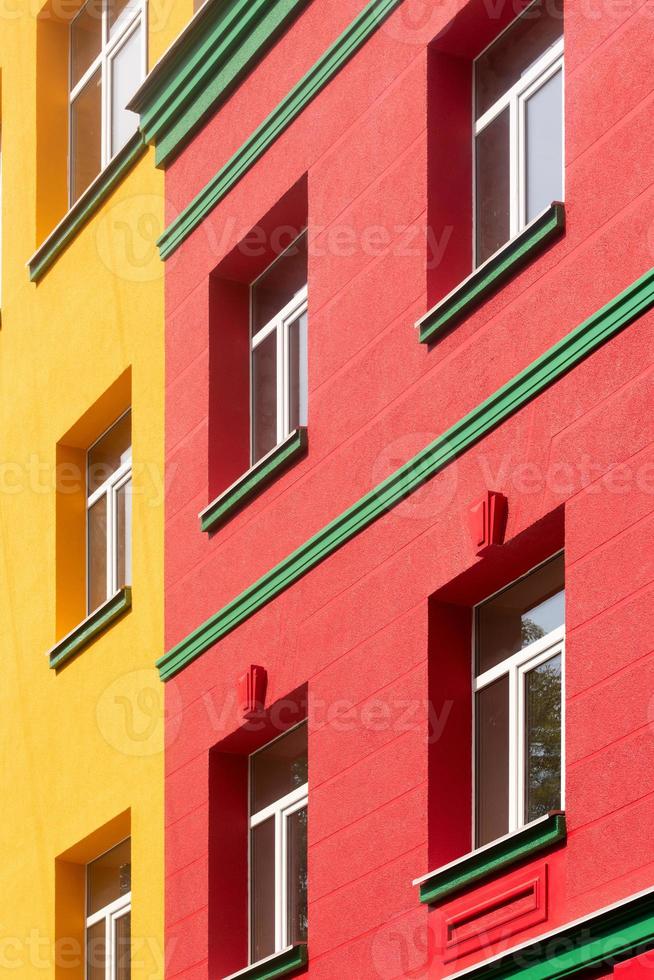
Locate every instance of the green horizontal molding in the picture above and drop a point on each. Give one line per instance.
(489, 277)
(464, 434)
(493, 858)
(90, 628)
(85, 206)
(278, 965)
(322, 72)
(254, 481)
(197, 73)
(603, 939)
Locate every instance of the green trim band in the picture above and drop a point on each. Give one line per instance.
(327, 66)
(490, 276)
(487, 861)
(91, 627)
(520, 390)
(256, 479)
(209, 58)
(610, 936)
(277, 965)
(85, 207)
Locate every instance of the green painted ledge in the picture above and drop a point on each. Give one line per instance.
(603, 939)
(489, 277)
(254, 481)
(491, 859)
(277, 965)
(209, 58)
(519, 391)
(90, 628)
(85, 207)
(322, 72)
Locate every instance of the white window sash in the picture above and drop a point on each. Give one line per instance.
(280, 324)
(133, 17)
(516, 667)
(515, 99)
(108, 489)
(110, 915)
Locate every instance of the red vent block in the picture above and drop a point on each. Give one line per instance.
(251, 691)
(487, 520)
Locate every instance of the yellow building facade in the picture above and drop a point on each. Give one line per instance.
(81, 344)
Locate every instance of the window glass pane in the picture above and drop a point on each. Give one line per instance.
(262, 890)
(86, 144)
(123, 947)
(85, 39)
(543, 739)
(279, 284)
(109, 453)
(117, 9)
(492, 187)
(97, 553)
(124, 535)
(126, 76)
(492, 753)
(297, 373)
(297, 876)
(264, 396)
(109, 877)
(526, 611)
(516, 50)
(96, 951)
(278, 768)
(544, 146)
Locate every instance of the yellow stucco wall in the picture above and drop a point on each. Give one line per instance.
(82, 746)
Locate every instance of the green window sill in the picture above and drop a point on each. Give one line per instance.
(84, 207)
(254, 480)
(277, 965)
(488, 860)
(489, 277)
(91, 627)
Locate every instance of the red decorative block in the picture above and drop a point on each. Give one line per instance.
(487, 519)
(252, 691)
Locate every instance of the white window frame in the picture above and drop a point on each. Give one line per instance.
(280, 810)
(516, 98)
(118, 479)
(281, 324)
(110, 913)
(133, 17)
(516, 667)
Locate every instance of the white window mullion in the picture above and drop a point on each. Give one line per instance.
(281, 375)
(280, 889)
(514, 735)
(108, 937)
(111, 541)
(515, 166)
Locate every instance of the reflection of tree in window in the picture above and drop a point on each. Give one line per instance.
(543, 739)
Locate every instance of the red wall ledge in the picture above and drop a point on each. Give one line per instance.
(603, 939)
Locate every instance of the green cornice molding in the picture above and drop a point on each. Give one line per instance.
(254, 481)
(485, 280)
(464, 434)
(220, 44)
(322, 72)
(492, 859)
(278, 965)
(607, 937)
(85, 206)
(91, 627)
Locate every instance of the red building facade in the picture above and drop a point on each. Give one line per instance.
(410, 510)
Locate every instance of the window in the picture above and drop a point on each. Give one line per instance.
(278, 369)
(518, 672)
(518, 128)
(107, 62)
(109, 513)
(278, 844)
(108, 903)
